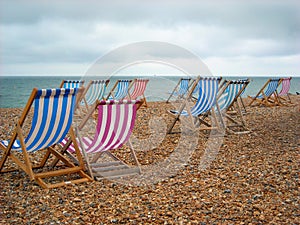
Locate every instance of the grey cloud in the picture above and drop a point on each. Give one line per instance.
(80, 31)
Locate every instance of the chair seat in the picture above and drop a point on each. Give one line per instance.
(16, 146)
(176, 112)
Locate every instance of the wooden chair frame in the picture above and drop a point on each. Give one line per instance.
(26, 165)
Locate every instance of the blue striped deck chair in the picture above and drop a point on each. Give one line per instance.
(181, 89)
(53, 111)
(267, 95)
(240, 98)
(94, 91)
(229, 107)
(120, 90)
(196, 89)
(71, 83)
(207, 96)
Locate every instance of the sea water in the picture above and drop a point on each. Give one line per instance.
(15, 90)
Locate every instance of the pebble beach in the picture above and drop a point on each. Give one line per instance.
(253, 178)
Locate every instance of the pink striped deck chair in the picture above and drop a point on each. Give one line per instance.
(114, 126)
(283, 95)
(139, 87)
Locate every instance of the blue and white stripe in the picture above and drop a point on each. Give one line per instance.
(230, 94)
(271, 88)
(52, 118)
(183, 87)
(72, 83)
(122, 89)
(96, 91)
(207, 95)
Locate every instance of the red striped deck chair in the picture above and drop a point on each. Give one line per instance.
(51, 123)
(138, 92)
(114, 126)
(283, 95)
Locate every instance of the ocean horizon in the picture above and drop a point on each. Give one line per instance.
(15, 90)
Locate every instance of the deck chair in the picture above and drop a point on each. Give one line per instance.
(230, 109)
(114, 126)
(180, 89)
(71, 83)
(196, 89)
(267, 95)
(139, 87)
(283, 95)
(207, 96)
(120, 90)
(51, 122)
(240, 98)
(94, 91)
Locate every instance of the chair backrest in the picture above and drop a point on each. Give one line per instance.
(285, 86)
(196, 89)
(52, 117)
(115, 123)
(95, 90)
(71, 83)
(207, 95)
(122, 89)
(271, 88)
(139, 88)
(230, 92)
(244, 80)
(183, 86)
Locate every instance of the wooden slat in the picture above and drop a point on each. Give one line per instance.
(118, 173)
(58, 172)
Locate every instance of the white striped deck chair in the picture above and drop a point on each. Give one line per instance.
(50, 124)
(94, 91)
(138, 92)
(229, 107)
(283, 95)
(267, 95)
(71, 83)
(114, 126)
(120, 90)
(181, 89)
(207, 95)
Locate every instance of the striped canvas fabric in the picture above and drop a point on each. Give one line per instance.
(116, 120)
(207, 95)
(122, 89)
(208, 89)
(72, 83)
(96, 91)
(230, 94)
(285, 88)
(183, 87)
(271, 88)
(52, 118)
(139, 88)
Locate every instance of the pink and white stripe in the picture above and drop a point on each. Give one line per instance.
(116, 120)
(285, 88)
(139, 88)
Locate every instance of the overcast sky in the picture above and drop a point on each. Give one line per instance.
(230, 37)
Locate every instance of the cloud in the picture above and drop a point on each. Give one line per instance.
(78, 32)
